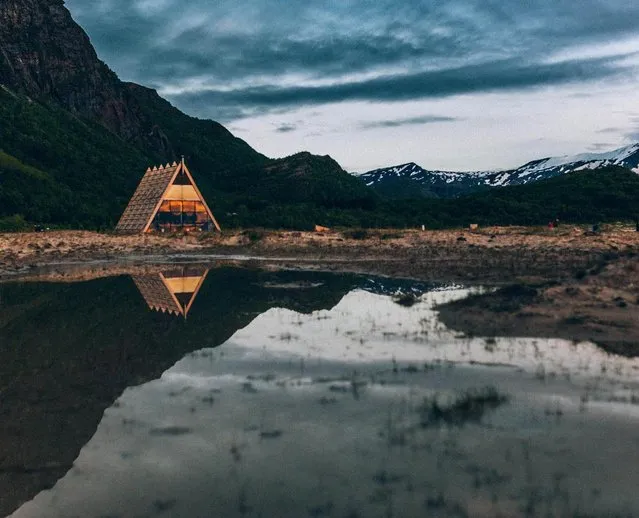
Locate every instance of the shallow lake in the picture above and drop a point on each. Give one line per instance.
(207, 390)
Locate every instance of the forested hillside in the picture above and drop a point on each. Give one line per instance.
(607, 194)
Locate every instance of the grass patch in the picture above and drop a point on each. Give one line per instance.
(10, 163)
(575, 320)
(469, 406)
(357, 234)
(15, 223)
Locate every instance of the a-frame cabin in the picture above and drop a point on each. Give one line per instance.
(167, 200)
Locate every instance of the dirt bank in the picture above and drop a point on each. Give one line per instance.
(489, 255)
(599, 305)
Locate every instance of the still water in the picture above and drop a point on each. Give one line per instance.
(200, 390)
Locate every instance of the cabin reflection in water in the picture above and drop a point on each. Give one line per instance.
(172, 291)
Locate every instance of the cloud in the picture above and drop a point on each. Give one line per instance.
(286, 128)
(633, 136)
(411, 121)
(229, 59)
(600, 146)
(504, 75)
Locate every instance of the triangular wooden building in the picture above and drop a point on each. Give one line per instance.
(166, 200)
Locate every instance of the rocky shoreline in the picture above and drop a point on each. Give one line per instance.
(493, 254)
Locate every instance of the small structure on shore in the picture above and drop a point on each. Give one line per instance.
(167, 199)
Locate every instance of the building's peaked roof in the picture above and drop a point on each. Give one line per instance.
(146, 200)
(147, 197)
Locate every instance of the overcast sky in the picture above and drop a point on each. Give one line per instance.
(449, 84)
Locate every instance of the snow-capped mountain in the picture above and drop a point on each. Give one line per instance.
(410, 180)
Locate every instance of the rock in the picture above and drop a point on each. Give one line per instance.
(44, 54)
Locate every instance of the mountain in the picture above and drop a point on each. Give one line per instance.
(608, 193)
(75, 139)
(310, 174)
(48, 57)
(412, 181)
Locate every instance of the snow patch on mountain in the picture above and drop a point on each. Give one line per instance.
(453, 183)
(597, 159)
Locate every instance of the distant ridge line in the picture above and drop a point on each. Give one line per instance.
(411, 180)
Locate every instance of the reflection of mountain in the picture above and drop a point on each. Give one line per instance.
(69, 350)
(389, 286)
(219, 413)
(172, 291)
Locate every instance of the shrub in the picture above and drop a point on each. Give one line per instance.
(14, 223)
(255, 235)
(359, 233)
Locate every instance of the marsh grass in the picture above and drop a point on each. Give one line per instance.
(469, 406)
(406, 299)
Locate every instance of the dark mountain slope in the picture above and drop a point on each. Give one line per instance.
(607, 194)
(59, 168)
(300, 178)
(47, 56)
(208, 145)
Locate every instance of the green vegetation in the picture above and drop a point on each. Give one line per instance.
(56, 168)
(13, 224)
(587, 197)
(609, 194)
(214, 155)
(60, 170)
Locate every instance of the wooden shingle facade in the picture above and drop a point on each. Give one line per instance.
(167, 199)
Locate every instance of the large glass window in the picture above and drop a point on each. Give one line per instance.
(174, 215)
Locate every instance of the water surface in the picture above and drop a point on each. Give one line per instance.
(198, 391)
